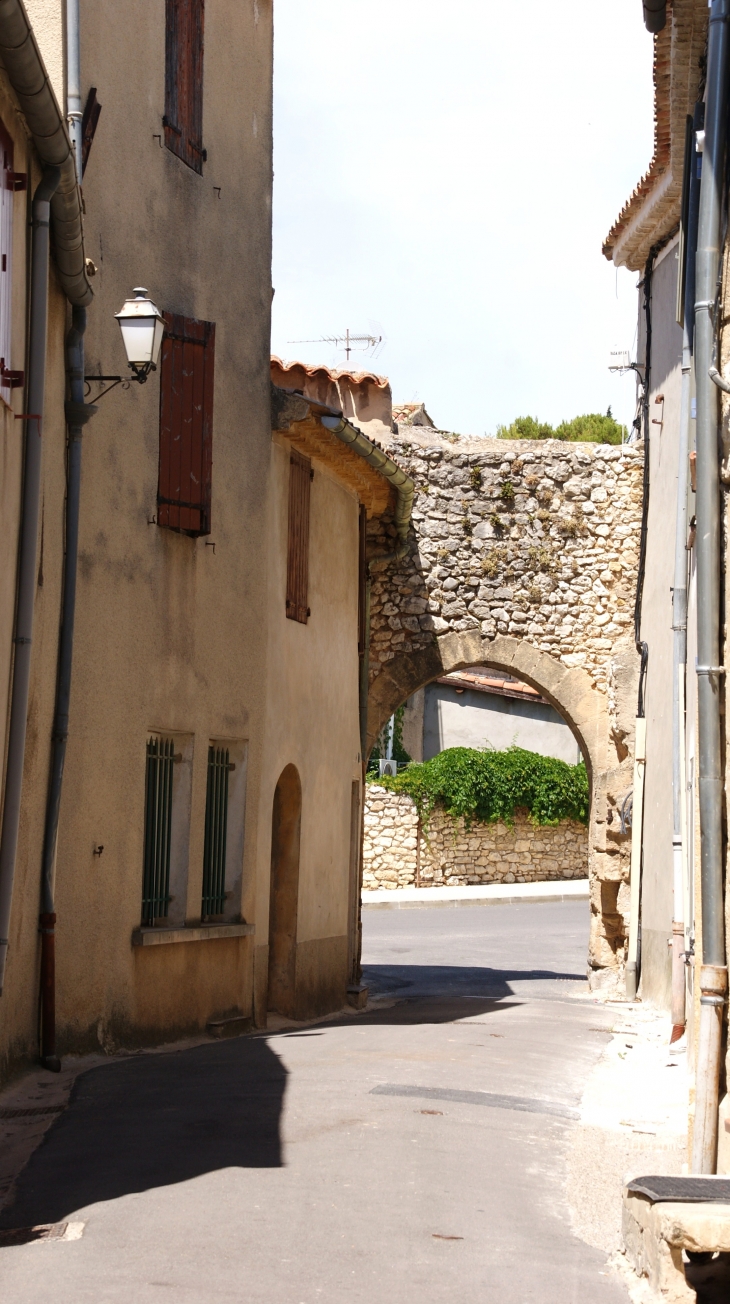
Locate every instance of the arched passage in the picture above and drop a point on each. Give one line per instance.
(286, 821)
(585, 710)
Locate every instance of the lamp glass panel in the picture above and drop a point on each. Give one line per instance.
(138, 335)
(159, 332)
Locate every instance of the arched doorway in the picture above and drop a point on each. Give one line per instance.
(586, 712)
(284, 899)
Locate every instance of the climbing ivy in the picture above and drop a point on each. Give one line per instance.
(381, 743)
(485, 786)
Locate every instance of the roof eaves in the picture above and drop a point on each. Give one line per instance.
(653, 208)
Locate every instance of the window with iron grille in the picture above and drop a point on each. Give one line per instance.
(297, 556)
(186, 425)
(161, 759)
(183, 120)
(216, 832)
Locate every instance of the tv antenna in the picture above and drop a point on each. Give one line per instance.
(346, 341)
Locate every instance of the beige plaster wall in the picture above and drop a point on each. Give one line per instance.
(19, 999)
(312, 723)
(170, 634)
(48, 20)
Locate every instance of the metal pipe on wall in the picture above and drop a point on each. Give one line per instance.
(74, 112)
(77, 414)
(41, 214)
(713, 973)
(679, 595)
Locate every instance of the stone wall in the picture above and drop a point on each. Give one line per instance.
(397, 854)
(538, 540)
(523, 557)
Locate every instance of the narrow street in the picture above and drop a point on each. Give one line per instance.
(412, 1153)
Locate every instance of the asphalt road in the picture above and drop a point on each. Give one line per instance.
(413, 1154)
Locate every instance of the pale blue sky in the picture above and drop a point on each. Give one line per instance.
(444, 176)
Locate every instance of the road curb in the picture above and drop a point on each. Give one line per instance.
(497, 894)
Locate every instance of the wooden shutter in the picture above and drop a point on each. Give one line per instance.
(186, 425)
(297, 561)
(89, 123)
(7, 192)
(183, 120)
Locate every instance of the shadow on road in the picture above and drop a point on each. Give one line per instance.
(455, 980)
(158, 1119)
(154, 1120)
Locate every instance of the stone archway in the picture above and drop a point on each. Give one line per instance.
(585, 709)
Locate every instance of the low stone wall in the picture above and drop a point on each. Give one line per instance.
(397, 854)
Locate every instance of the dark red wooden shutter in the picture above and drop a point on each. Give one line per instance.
(89, 124)
(183, 121)
(186, 425)
(297, 560)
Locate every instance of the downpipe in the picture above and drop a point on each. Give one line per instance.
(713, 972)
(631, 976)
(679, 609)
(28, 549)
(77, 414)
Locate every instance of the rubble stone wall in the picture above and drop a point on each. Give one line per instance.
(523, 557)
(396, 853)
(538, 540)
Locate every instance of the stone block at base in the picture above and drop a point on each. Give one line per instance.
(655, 1235)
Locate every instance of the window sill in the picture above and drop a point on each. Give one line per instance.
(201, 933)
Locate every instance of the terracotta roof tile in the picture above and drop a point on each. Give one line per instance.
(653, 208)
(317, 371)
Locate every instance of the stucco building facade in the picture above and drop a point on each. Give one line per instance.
(215, 689)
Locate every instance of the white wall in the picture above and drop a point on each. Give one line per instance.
(475, 719)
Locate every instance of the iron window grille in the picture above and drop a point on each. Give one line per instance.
(216, 832)
(157, 829)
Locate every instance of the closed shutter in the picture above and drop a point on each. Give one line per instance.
(186, 425)
(183, 120)
(297, 561)
(6, 258)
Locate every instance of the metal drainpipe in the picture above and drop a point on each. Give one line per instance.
(74, 113)
(41, 211)
(633, 958)
(77, 414)
(713, 973)
(679, 609)
(356, 974)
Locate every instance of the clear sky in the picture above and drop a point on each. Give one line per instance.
(444, 176)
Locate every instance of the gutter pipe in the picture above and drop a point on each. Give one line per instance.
(74, 112)
(632, 971)
(713, 973)
(679, 605)
(26, 72)
(655, 15)
(28, 550)
(375, 457)
(77, 414)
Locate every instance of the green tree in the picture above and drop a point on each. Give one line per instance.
(591, 428)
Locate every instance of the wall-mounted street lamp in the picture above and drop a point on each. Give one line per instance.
(142, 327)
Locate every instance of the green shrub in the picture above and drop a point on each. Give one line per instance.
(485, 786)
(592, 428)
